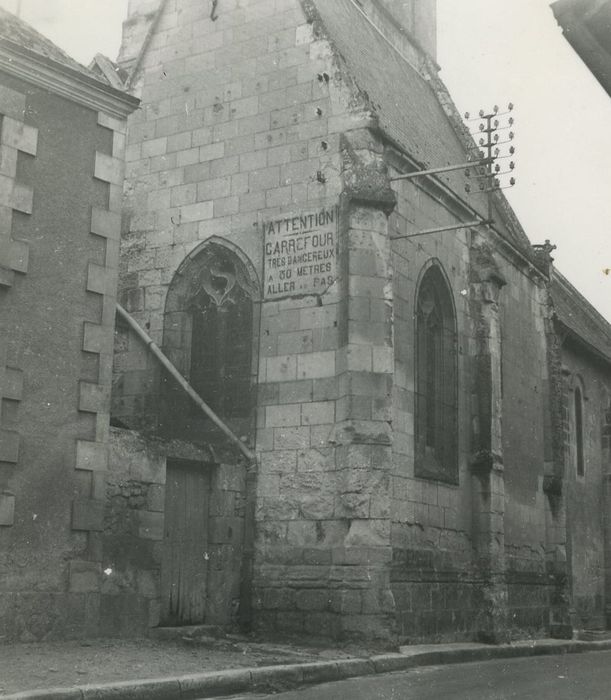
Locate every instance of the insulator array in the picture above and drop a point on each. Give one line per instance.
(493, 134)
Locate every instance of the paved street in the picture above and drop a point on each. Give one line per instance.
(566, 677)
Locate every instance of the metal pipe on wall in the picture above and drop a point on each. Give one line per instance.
(184, 384)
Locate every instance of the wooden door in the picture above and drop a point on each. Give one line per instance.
(184, 566)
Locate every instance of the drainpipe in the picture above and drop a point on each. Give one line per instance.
(184, 384)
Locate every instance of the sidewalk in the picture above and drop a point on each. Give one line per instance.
(175, 670)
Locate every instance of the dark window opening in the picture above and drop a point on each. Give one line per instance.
(208, 335)
(579, 432)
(221, 352)
(436, 381)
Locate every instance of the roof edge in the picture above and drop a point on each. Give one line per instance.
(594, 316)
(64, 81)
(579, 340)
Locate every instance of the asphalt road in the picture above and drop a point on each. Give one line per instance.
(567, 677)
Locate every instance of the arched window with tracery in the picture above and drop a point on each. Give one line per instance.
(436, 380)
(221, 337)
(208, 332)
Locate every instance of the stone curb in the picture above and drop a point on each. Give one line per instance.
(276, 678)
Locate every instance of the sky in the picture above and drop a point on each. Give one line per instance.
(491, 52)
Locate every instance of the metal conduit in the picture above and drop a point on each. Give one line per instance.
(183, 383)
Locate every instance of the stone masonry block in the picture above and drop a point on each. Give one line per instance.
(6, 189)
(9, 446)
(108, 169)
(316, 460)
(180, 142)
(281, 369)
(189, 157)
(196, 212)
(356, 358)
(105, 223)
(118, 145)
(115, 197)
(8, 162)
(19, 255)
(150, 525)
(313, 600)
(7, 277)
(211, 151)
(88, 515)
(292, 438)
(278, 461)
(368, 333)
(383, 359)
(367, 286)
(93, 398)
(18, 135)
(295, 392)
(91, 456)
(346, 601)
(282, 416)
(98, 279)
(95, 337)
(318, 412)
(183, 194)
(84, 577)
(22, 198)
(112, 123)
(155, 500)
(295, 342)
(214, 189)
(7, 509)
(13, 384)
(154, 147)
(253, 161)
(316, 365)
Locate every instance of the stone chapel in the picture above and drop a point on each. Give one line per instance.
(402, 438)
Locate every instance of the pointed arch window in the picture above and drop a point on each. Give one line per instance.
(208, 334)
(221, 337)
(436, 380)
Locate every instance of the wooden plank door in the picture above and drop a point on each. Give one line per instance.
(184, 566)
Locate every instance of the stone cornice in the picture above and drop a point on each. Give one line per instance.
(64, 81)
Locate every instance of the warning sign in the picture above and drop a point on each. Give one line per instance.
(300, 255)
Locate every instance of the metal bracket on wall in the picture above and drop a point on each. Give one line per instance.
(440, 229)
(443, 169)
(486, 170)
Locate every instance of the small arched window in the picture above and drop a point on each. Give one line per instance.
(436, 380)
(578, 418)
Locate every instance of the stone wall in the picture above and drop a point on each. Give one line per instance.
(444, 553)
(240, 125)
(251, 123)
(132, 541)
(525, 409)
(587, 495)
(433, 571)
(62, 171)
